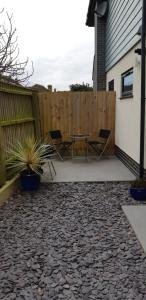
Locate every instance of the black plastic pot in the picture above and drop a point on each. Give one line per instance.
(30, 181)
(138, 193)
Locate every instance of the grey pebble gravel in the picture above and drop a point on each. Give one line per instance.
(70, 241)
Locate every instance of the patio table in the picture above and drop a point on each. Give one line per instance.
(79, 137)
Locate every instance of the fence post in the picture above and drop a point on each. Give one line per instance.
(36, 115)
(2, 160)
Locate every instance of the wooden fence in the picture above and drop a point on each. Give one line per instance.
(18, 119)
(77, 112)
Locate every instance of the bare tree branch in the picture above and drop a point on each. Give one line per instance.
(10, 66)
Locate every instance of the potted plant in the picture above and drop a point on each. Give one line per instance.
(26, 158)
(138, 189)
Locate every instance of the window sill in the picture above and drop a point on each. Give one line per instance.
(126, 97)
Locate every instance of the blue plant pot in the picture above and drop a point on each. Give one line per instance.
(138, 193)
(29, 181)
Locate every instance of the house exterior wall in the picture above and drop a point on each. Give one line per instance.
(115, 36)
(127, 129)
(123, 21)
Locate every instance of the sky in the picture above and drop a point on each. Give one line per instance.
(53, 34)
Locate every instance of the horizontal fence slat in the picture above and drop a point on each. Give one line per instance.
(16, 92)
(15, 122)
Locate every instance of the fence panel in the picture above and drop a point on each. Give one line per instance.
(77, 112)
(18, 120)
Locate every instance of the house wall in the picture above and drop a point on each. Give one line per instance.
(127, 129)
(123, 21)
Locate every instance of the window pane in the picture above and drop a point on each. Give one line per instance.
(111, 85)
(127, 83)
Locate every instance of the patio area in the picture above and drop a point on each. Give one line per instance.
(70, 241)
(79, 169)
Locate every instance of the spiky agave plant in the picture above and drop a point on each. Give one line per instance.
(28, 155)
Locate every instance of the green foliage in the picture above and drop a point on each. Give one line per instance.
(28, 155)
(81, 87)
(139, 183)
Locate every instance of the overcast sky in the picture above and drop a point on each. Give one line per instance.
(52, 33)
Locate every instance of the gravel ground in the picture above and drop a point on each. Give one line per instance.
(70, 241)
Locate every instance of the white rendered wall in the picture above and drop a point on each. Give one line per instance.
(127, 133)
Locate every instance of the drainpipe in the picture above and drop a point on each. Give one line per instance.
(142, 121)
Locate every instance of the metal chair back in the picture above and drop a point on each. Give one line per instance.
(104, 133)
(55, 134)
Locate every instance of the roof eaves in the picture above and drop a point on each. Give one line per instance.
(90, 13)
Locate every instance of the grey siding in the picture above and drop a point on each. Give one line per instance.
(124, 19)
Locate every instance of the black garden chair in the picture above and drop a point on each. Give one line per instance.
(49, 156)
(100, 145)
(61, 146)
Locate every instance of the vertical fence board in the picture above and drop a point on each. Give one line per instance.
(78, 112)
(2, 160)
(36, 115)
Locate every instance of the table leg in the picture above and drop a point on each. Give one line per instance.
(72, 148)
(50, 170)
(86, 149)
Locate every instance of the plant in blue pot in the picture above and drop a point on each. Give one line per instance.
(26, 158)
(138, 190)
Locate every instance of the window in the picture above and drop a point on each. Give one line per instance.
(111, 85)
(127, 83)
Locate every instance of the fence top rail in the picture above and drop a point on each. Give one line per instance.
(16, 91)
(79, 92)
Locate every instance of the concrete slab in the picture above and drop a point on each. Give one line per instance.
(136, 215)
(81, 169)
